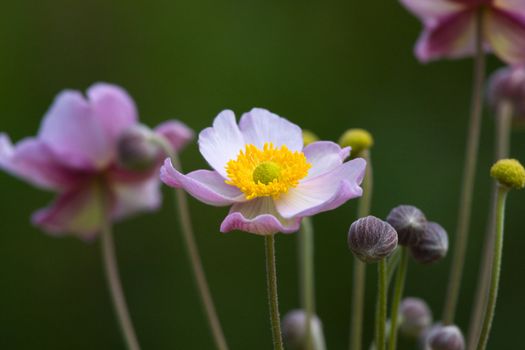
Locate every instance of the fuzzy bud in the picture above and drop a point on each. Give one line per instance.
(509, 173)
(415, 317)
(358, 139)
(507, 85)
(409, 222)
(372, 239)
(309, 137)
(446, 338)
(432, 245)
(135, 149)
(294, 331)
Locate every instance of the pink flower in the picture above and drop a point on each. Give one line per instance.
(262, 170)
(75, 155)
(450, 29)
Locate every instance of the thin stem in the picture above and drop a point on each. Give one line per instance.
(469, 171)
(398, 294)
(496, 269)
(196, 263)
(273, 300)
(502, 145)
(382, 291)
(358, 291)
(115, 287)
(306, 253)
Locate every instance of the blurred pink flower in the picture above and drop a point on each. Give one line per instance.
(262, 170)
(75, 155)
(450, 29)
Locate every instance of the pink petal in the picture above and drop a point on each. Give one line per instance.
(505, 32)
(222, 142)
(112, 107)
(453, 37)
(324, 156)
(429, 11)
(258, 216)
(176, 132)
(32, 161)
(324, 192)
(516, 7)
(79, 212)
(74, 135)
(205, 185)
(260, 126)
(135, 197)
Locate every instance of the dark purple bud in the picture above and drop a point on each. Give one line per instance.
(507, 85)
(432, 246)
(409, 222)
(446, 338)
(136, 150)
(294, 331)
(415, 317)
(372, 239)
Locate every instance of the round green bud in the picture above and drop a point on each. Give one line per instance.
(358, 139)
(509, 173)
(309, 137)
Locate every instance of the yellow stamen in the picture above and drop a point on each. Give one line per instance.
(267, 172)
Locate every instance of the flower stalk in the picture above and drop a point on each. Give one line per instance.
(467, 188)
(273, 300)
(306, 254)
(398, 294)
(358, 292)
(503, 131)
(496, 268)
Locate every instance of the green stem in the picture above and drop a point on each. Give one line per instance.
(398, 294)
(469, 171)
(115, 287)
(503, 127)
(273, 301)
(306, 253)
(382, 291)
(193, 252)
(496, 269)
(358, 291)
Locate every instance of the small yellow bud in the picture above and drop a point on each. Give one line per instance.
(358, 139)
(509, 172)
(309, 137)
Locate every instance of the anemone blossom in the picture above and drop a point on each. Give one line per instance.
(450, 28)
(262, 170)
(75, 155)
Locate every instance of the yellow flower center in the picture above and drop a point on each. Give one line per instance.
(266, 172)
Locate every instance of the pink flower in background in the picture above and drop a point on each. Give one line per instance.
(75, 155)
(262, 170)
(450, 28)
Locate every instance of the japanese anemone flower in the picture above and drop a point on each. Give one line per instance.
(450, 28)
(262, 170)
(75, 155)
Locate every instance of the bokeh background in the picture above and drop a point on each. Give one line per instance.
(326, 65)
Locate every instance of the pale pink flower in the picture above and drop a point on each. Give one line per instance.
(261, 169)
(75, 155)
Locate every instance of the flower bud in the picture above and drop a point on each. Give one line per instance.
(309, 137)
(358, 139)
(509, 173)
(409, 222)
(445, 338)
(507, 85)
(371, 239)
(135, 149)
(432, 245)
(415, 317)
(294, 331)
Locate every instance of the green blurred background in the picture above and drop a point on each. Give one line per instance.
(327, 66)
